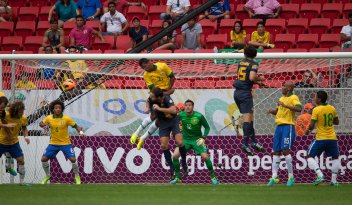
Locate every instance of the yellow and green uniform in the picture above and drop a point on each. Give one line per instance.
(265, 38)
(324, 116)
(286, 116)
(14, 132)
(159, 77)
(59, 129)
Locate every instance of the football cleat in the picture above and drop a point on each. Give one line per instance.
(247, 150)
(140, 144)
(273, 181)
(78, 180)
(290, 182)
(258, 147)
(12, 171)
(133, 138)
(176, 180)
(214, 181)
(46, 179)
(318, 180)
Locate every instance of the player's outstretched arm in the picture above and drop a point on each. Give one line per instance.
(79, 130)
(255, 78)
(296, 108)
(25, 134)
(272, 111)
(171, 110)
(311, 127)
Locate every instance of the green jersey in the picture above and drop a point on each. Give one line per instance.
(192, 125)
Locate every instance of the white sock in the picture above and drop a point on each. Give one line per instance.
(275, 166)
(334, 170)
(46, 168)
(150, 131)
(22, 172)
(144, 124)
(289, 165)
(75, 169)
(314, 165)
(8, 160)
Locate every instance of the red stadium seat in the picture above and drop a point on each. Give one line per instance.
(114, 51)
(137, 11)
(275, 26)
(42, 27)
(151, 2)
(6, 28)
(205, 51)
(183, 51)
(44, 13)
(161, 51)
(155, 27)
(285, 41)
(24, 52)
(218, 40)
(38, 3)
(45, 84)
(329, 40)
(123, 42)
(114, 84)
(28, 13)
(92, 52)
(307, 41)
(319, 25)
(155, 11)
(310, 11)
(21, 3)
(68, 26)
(182, 84)
(204, 84)
(10, 43)
(93, 24)
(298, 1)
(109, 43)
(240, 13)
(250, 25)
(295, 50)
(208, 26)
(289, 11)
(347, 9)
(319, 50)
(332, 11)
(33, 43)
(319, 1)
(135, 84)
(297, 26)
(337, 25)
(274, 50)
(24, 28)
(226, 25)
(341, 1)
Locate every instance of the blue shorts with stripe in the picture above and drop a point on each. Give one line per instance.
(330, 148)
(52, 150)
(284, 137)
(14, 150)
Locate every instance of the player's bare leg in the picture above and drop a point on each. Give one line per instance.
(152, 128)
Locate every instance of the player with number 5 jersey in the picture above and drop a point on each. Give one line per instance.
(60, 139)
(246, 78)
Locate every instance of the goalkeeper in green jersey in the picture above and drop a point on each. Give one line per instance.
(192, 122)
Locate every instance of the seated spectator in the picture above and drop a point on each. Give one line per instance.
(175, 9)
(263, 9)
(261, 38)
(55, 36)
(121, 5)
(24, 83)
(168, 42)
(66, 11)
(137, 33)
(5, 11)
(238, 36)
(220, 10)
(346, 32)
(89, 9)
(308, 77)
(113, 21)
(81, 35)
(191, 32)
(47, 67)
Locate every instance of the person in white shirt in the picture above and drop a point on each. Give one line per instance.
(113, 21)
(175, 9)
(346, 33)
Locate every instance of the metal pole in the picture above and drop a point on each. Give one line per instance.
(13, 76)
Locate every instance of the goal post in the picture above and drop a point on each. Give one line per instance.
(109, 100)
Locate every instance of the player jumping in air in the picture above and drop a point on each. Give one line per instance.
(285, 133)
(166, 112)
(246, 78)
(192, 122)
(11, 124)
(156, 75)
(60, 139)
(325, 117)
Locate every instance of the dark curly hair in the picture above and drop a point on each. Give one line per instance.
(15, 108)
(56, 102)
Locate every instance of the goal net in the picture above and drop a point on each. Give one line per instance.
(109, 98)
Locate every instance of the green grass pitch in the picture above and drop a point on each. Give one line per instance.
(174, 194)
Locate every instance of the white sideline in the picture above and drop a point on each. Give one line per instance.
(176, 56)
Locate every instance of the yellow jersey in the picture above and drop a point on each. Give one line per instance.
(2, 94)
(285, 116)
(77, 68)
(264, 38)
(25, 85)
(59, 129)
(324, 115)
(160, 77)
(5, 139)
(238, 37)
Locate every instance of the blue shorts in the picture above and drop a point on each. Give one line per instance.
(52, 150)
(284, 137)
(319, 146)
(14, 150)
(244, 101)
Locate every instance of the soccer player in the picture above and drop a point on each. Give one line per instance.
(285, 133)
(155, 75)
(192, 123)
(166, 112)
(325, 117)
(60, 139)
(12, 123)
(246, 78)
